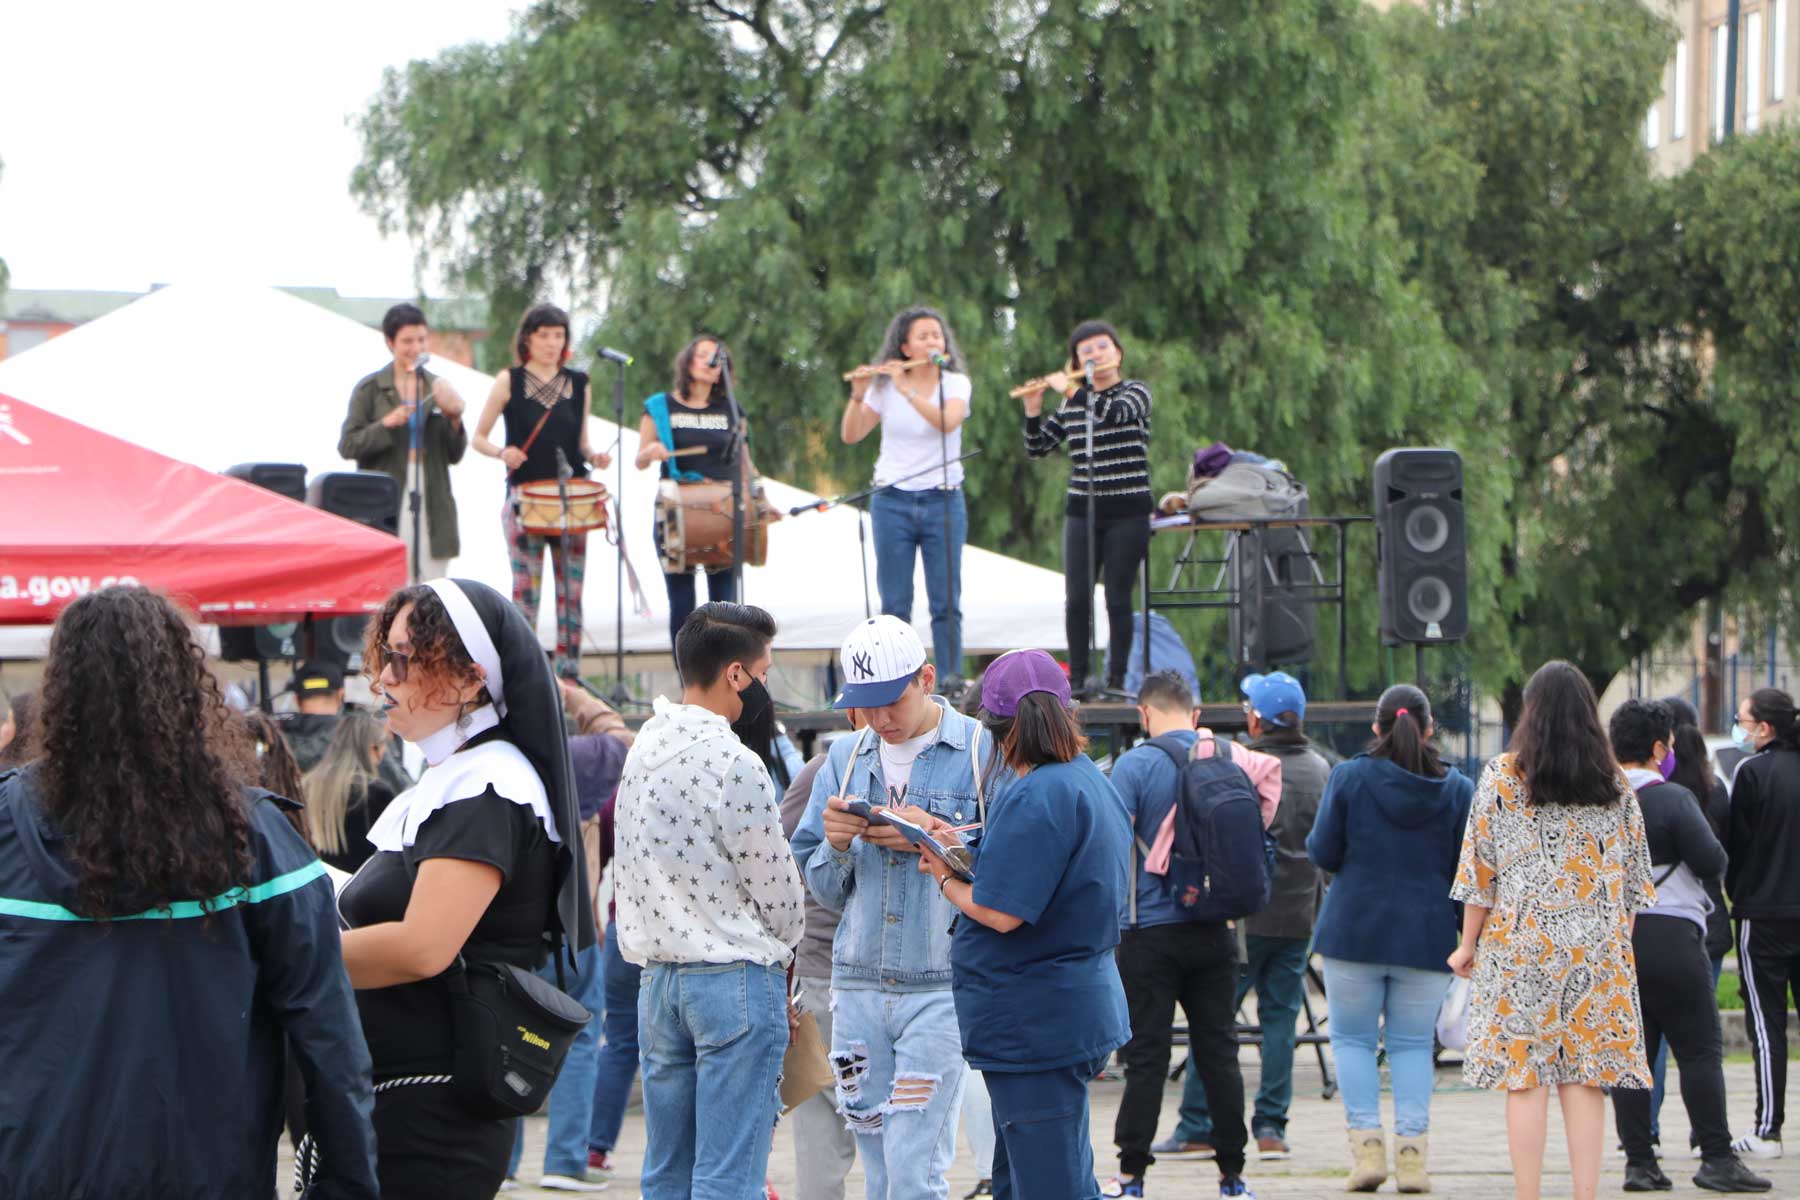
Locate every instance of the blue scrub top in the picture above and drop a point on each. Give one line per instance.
(1055, 854)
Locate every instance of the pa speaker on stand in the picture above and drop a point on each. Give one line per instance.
(264, 643)
(369, 498)
(1421, 547)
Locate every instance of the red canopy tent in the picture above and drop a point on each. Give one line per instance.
(80, 509)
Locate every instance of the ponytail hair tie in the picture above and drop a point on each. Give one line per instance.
(1399, 712)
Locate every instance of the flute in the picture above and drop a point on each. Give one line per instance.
(866, 372)
(1041, 383)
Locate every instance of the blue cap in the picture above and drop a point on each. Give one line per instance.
(1273, 694)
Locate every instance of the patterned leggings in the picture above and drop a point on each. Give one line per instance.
(526, 550)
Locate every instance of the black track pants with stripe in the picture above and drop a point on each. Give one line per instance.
(1768, 964)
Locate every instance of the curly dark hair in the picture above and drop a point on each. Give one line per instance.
(437, 649)
(143, 764)
(278, 770)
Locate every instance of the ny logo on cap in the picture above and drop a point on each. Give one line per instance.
(860, 664)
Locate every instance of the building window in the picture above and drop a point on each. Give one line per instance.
(1653, 126)
(1719, 49)
(1778, 51)
(1678, 114)
(1753, 71)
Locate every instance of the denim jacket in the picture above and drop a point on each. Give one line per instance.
(895, 931)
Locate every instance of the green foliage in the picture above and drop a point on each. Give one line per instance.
(1323, 231)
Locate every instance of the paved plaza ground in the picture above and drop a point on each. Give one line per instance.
(1468, 1146)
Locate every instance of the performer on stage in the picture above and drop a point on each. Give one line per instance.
(387, 429)
(1118, 476)
(694, 415)
(545, 403)
(919, 396)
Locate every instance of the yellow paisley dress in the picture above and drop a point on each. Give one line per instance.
(1554, 994)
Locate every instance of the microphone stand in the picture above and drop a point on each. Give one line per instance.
(1093, 567)
(564, 473)
(739, 468)
(416, 455)
(953, 670)
(620, 697)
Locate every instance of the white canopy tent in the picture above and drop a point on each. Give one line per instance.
(221, 375)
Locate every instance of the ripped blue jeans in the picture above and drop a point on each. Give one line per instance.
(900, 1075)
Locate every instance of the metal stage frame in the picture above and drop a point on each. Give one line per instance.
(1224, 591)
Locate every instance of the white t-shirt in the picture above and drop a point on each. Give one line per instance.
(897, 765)
(909, 443)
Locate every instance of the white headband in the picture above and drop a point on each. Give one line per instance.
(474, 637)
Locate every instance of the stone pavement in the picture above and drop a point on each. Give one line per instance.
(1468, 1146)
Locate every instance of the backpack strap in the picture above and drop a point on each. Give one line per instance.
(975, 771)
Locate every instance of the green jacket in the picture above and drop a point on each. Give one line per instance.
(375, 447)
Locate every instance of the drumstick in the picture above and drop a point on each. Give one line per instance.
(686, 450)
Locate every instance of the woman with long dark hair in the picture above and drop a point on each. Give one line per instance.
(476, 863)
(686, 433)
(918, 391)
(164, 917)
(1765, 894)
(1037, 993)
(545, 403)
(1112, 413)
(1383, 933)
(345, 795)
(1554, 870)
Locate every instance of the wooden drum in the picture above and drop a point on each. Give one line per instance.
(693, 525)
(541, 511)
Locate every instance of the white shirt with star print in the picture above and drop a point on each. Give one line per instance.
(704, 873)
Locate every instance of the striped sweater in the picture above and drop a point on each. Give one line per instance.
(1121, 467)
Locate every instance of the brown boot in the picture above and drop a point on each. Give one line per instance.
(1368, 1160)
(1409, 1164)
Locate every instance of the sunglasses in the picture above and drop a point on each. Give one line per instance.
(396, 661)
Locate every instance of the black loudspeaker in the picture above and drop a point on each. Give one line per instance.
(257, 642)
(369, 497)
(1284, 628)
(1420, 546)
(287, 479)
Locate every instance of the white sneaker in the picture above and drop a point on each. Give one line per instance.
(1751, 1146)
(568, 1183)
(509, 1184)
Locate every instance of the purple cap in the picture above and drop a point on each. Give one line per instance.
(1018, 673)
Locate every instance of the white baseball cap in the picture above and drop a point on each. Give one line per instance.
(879, 658)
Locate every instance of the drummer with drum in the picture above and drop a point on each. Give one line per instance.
(545, 406)
(687, 430)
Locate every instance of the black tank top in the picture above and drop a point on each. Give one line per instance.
(563, 429)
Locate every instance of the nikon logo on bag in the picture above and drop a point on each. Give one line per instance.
(525, 1035)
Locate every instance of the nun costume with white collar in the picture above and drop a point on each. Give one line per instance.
(498, 790)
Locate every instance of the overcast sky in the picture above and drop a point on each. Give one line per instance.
(181, 140)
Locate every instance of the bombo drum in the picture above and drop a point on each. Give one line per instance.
(541, 508)
(693, 525)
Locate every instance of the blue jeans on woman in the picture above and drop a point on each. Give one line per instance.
(712, 1039)
(572, 1095)
(912, 524)
(619, 1051)
(1359, 996)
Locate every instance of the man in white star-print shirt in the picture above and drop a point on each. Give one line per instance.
(709, 903)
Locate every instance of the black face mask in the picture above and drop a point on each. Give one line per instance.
(756, 703)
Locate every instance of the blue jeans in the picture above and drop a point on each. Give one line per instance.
(1042, 1150)
(1277, 969)
(1360, 995)
(619, 1052)
(712, 1040)
(1660, 1067)
(572, 1096)
(909, 522)
(900, 1073)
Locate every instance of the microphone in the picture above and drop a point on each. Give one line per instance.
(719, 354)
(420, 362)
(618, 356)
(940, 360)
(564, 472)
(1087, 368)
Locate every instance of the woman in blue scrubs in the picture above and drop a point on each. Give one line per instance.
(1037, 993)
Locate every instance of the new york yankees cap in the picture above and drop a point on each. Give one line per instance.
(879, 658)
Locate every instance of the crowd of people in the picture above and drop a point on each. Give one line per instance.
(973, 915)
